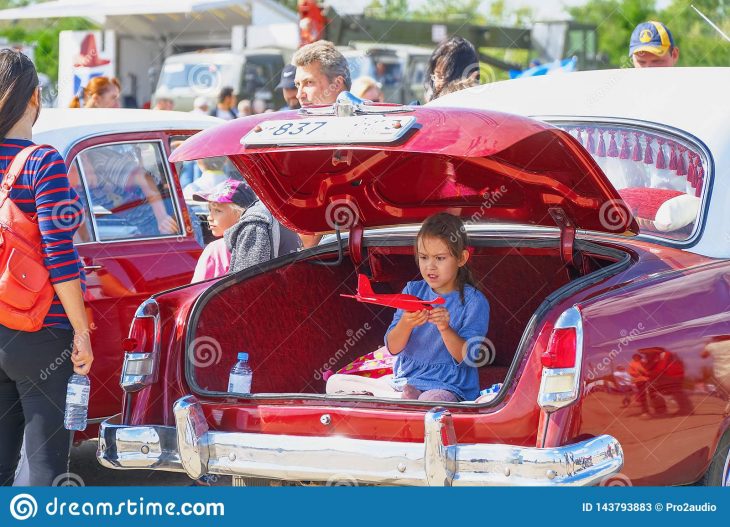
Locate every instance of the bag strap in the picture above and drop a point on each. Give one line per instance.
(14, 170)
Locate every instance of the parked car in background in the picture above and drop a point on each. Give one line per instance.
(117, 161)
(400, 69)
(253, 73)
(590, 286)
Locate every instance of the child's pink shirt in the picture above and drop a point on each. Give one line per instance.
(213, 262)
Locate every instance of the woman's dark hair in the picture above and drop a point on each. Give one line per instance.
(18, 83)
(451, 230)
(454, 59)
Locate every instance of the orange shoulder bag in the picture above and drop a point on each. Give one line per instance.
(26, 292)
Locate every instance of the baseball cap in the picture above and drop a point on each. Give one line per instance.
(229, 191)
(651, 36)
(287, 77)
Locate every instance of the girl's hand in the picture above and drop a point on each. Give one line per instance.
(415, 318)
(82, 356)
(440, 317)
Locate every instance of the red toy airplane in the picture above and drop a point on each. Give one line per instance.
(409, 303)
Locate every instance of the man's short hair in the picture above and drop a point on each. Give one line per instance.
(332, 62)
(225, 92)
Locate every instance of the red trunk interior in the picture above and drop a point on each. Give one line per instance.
(294, 324)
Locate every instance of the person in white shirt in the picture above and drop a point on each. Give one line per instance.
(201, 106)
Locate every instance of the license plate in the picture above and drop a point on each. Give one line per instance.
(361, 129)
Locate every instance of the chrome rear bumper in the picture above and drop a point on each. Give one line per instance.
(190, 447)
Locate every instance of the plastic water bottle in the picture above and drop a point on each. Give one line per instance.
(241, 375)
(77, 402)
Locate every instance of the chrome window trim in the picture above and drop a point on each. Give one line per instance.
(694, 238)
(167, 175)
(85, 189)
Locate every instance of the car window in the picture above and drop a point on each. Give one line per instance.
(660, 177)
(85, 232)
(129, 191)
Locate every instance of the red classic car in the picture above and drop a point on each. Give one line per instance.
(127, 253)
(598, 235)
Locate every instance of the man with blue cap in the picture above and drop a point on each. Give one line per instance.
(652, 46)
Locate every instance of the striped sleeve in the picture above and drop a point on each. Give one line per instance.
(60, 212)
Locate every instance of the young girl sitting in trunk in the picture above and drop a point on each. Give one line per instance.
(437, 350)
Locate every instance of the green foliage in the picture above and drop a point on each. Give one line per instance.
(45, 38)
(699, 44)
(389, 9)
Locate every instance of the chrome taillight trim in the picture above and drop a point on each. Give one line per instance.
(552, 401)
(133, 382)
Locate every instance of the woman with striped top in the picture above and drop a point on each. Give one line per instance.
(35, 366)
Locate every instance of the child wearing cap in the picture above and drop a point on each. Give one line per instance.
(227, 202)
(652, 45)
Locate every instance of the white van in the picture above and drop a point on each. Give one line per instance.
(251, 73)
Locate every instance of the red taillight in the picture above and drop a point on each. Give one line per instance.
(561, 350)
(141, 336)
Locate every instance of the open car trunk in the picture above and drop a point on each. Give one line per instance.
(296, 327)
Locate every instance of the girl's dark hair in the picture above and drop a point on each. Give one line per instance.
(18, 83)
(451, 230)
(454, 59)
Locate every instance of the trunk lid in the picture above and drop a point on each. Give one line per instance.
(318, 173)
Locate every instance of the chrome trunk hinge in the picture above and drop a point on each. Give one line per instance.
(570, 256)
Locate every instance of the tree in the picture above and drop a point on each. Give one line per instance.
(389, 9)
(699, 44)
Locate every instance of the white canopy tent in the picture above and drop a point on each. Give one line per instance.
(159, 17)
(147, 31)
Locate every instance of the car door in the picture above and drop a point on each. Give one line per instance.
(135, 241)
